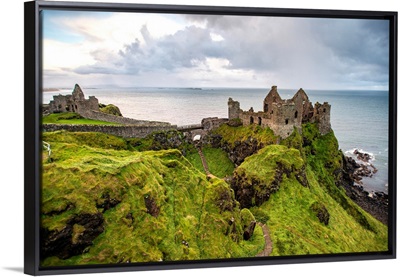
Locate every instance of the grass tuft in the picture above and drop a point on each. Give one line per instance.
(72, 118)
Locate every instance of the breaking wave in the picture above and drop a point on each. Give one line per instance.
(351, 154)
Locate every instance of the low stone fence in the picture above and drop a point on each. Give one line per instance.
(128, 131)
(95, 115)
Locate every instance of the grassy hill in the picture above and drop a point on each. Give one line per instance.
(293, 211)
(110, 200)
(105, 204)
(293, 189)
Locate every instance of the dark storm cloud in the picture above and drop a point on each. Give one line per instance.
(360, 47)
(363, 41)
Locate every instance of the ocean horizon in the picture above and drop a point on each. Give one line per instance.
(359, 118)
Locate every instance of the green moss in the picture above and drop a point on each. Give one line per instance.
(162, 140)
(91, 139)
(110, 109)
(326, 160)
(247, 217)
(295, 229)
(230, 135)
(295, 140)
(263, 165)
(260, 215)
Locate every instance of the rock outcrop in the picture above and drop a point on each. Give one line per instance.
(74, 238)
(110, 109)
(375, 203)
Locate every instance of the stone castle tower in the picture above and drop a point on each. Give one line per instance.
(283, 115)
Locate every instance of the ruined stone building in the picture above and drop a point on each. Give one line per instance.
(282, 115)
(74, 102)
(89, 108)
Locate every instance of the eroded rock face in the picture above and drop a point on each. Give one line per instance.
(74, 238)
(320, 212)
(375, 203)
(254, 192)
(167, 140)
(242, 149)
(225, 202)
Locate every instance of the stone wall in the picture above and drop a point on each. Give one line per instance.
(91, 104)
(129, 131)
(211, 123)
(95, 115)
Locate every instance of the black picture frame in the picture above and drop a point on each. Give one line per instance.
(33, 129)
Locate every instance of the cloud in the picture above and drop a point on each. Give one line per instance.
(184, 49)
(359, 49)
(246, 51)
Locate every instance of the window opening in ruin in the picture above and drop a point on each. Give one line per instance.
(295, 114)
(251, 120)
(265, 107)
(286, 121)
(259, 121)
(324, 110)
(67, 108)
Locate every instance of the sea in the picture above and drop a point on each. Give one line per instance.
(359, 118)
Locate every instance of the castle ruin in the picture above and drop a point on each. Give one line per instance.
(89, 108)
(74, 102)
(283, 115)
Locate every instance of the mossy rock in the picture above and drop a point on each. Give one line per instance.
(110, 109)
(320, 211)
(260, 175)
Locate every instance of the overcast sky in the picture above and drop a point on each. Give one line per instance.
(159, 50)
